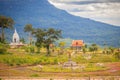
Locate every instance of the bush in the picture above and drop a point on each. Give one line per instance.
(29, 49)
(55, 61)
(3, 48)
(117, 55)
(26, 49)
(32, 50)
(34, 75)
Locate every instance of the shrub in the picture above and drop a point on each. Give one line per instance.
(55, 61)
(3, 48)
(32, 50)
(34, 75)
(26, 48)
(29, 49)
(117, 55)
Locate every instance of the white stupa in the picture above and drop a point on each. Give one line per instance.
(16, 38)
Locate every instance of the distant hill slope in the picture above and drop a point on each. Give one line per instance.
(42, 14)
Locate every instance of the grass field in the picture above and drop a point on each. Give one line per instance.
(19, 60)
(20, 57)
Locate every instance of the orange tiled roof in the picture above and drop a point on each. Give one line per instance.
(77, 43)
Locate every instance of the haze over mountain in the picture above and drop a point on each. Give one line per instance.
(40, 13)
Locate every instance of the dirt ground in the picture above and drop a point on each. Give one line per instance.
(7, 71)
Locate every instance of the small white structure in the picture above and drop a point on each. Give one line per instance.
(16, 40)
(100, 64)
(70, 64)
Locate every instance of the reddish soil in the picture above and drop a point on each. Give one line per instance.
(5, 70)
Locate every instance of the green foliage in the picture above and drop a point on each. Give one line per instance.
(43, 36)
(39, 34)
(50, 36)
(112, 50)
(28, 28)
(26, 48)
(96, 58)
(109, 50)
(62, 44)
(67, 41)
(32, 50)
(55, 61)
(93, 67)
(5, 22)
(46, 37)
(84, 49)
(29, 49)
(57, 68)
(18, 59)
(117, 55)
(34, 75)
(93, 48)
(3, 48)
(22, 40)
(22, 59)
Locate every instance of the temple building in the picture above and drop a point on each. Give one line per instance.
(77, 44)
(16, 41)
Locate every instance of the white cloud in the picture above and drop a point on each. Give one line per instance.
(101, 10)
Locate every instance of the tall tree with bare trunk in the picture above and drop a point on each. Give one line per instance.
(5, 22)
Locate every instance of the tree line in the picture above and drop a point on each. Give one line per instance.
(43, 37)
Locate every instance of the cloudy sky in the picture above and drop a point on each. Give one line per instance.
(107, 11)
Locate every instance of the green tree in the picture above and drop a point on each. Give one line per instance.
(109, 50)
(106, 49)
(5, 22)
(45, 37)
(51, 35)
(84, 48)
(39, 34)
(112, 50)
(117, 55)
(28, 28)
(93, 48)
(32, 50)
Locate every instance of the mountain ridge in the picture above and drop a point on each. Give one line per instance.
(42, 14)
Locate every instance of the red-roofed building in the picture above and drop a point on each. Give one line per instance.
(77, 44)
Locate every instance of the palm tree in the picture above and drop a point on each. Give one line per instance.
(5, 22)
